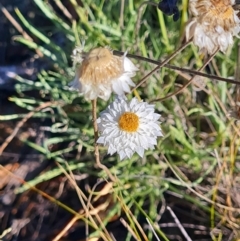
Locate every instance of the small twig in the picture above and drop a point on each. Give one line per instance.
(237, 77)
(185, 234)
(126, 225)
(188, 83)
(134, 219)
(66, 228)
(5, 232)
(64, 9)
(196, 227)
(151, 227)
(113, 238)
(195, 72)
(162, 64)
(89, 203)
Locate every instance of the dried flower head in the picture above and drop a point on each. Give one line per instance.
(101, 72)
(214, 24)
(129, 127)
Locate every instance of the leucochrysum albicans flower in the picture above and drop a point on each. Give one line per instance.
(100, 73)
(214, 24)
(128, 127)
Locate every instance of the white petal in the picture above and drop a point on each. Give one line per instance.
(123, 142)
(129, 67)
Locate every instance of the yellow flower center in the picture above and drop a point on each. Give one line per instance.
(128, 122)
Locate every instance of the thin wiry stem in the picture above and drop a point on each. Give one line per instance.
(162, 64)
(151, 227)
(183, 231)
(188, 83)
(128, 227)
(96, 148)
(237, 94)
(95, 127)
(195, 72)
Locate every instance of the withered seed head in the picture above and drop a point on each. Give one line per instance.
(100, 66)
(100, 73)
(214, 24)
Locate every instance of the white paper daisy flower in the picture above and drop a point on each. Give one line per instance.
(214, 24)
(101, 73)
(129, 127)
